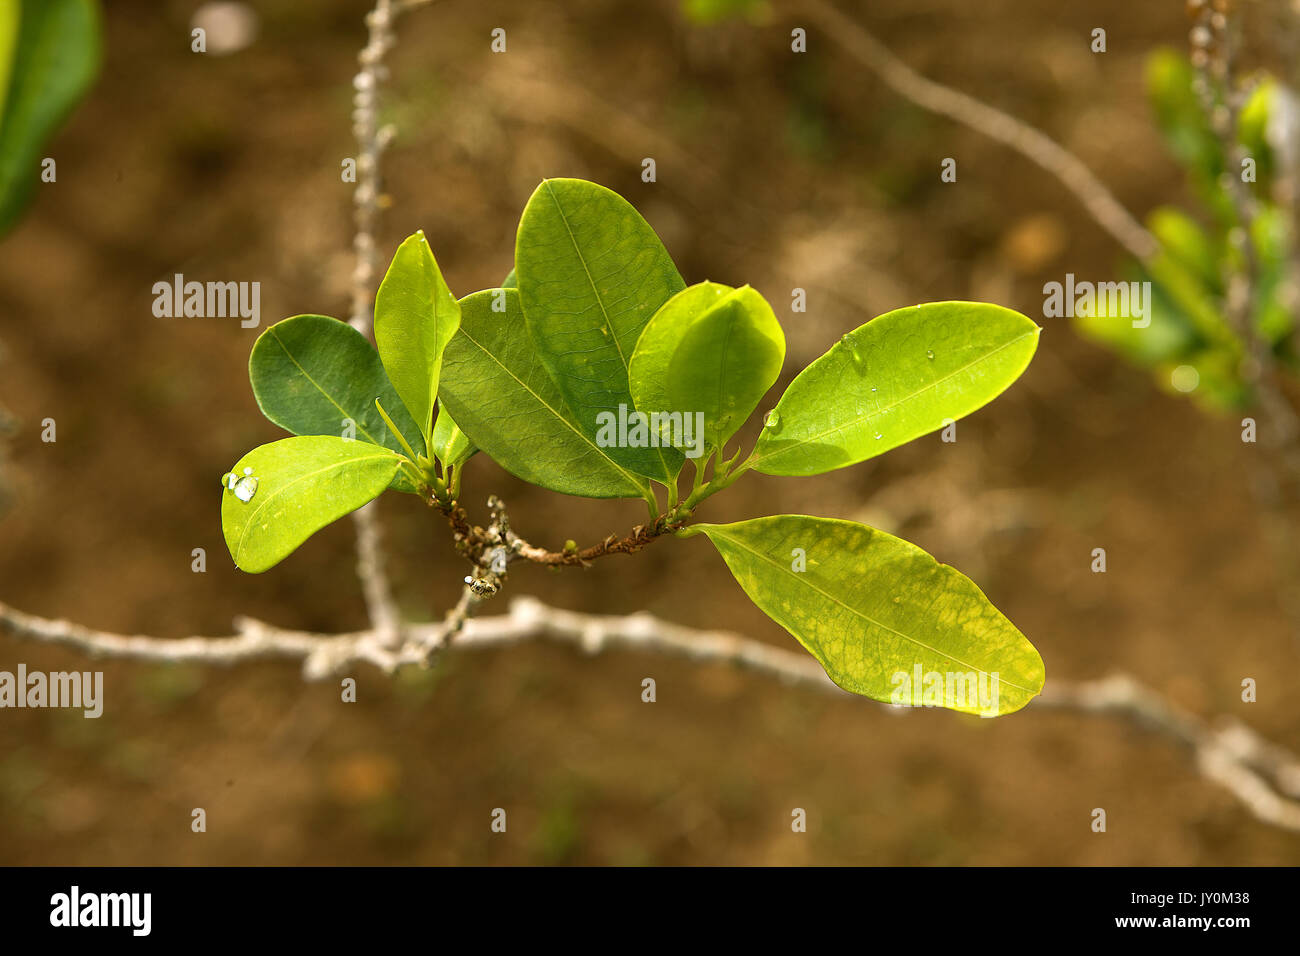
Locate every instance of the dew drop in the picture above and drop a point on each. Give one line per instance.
(772, 419)
(244, 486)
(929, 354)
(879, 436)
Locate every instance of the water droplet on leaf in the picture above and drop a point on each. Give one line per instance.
(772, 419)
(244, 486)
(929, 354)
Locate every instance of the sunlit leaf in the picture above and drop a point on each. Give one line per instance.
(301, 485)
(880, 614)
(450, 445)
(900, 376)
(711, 350)
(415, 317)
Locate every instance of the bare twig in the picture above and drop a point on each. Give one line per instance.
(1264, 777)
(1034, 145)
(372, 139)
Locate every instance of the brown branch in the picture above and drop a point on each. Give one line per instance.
(477, 543)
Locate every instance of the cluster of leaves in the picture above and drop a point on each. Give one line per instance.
(49, 55)
(596, 321)
(1189, 274)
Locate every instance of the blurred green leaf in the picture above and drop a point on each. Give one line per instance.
(706, 12)
(1271, 233)
(898, 377)
(9, 20)
(54, 60)
(871, 607)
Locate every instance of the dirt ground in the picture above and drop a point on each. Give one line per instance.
(775, 169)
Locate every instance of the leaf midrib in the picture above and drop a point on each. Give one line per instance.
(613, 332)
(754, 461)
(307, 375)
(252, 518)
(641, 486)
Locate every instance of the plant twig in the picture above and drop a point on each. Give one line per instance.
(1034, 145)
(372, 139)
(1262, 776)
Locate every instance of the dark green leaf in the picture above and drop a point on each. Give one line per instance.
(499, 393)
(310, 373)
(591, 274)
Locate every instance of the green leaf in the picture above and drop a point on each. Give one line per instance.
(415, 317)
(510, 281)
(450, 445)
(898, 377)
(499, 393)
(54, 60)
(311, 372)
(709, 12)
(303, 484)
(591, 273)
(9, 20)
(871, 607)
(710, 349)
